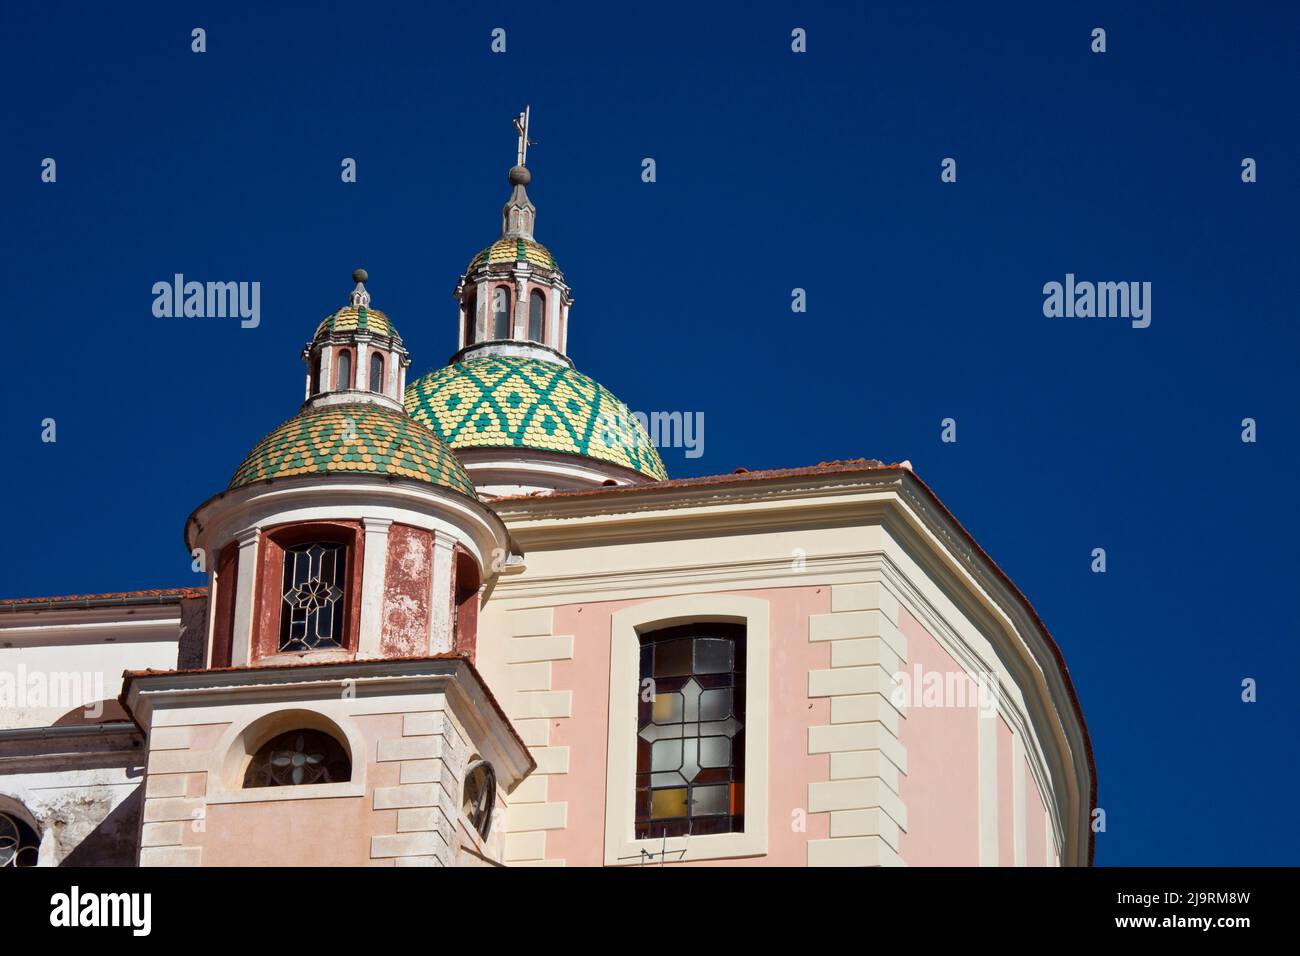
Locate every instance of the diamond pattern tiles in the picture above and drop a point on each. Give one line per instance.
(514, 250)
(358, 318)
(503, 401)
(362, 438)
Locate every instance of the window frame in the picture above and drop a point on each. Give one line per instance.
(508, 313)
(622, 848)
(342, 357)
(268, 594)
(536, 295)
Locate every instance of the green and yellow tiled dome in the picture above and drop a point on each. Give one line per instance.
(511, 250)
(357, 318)
(518, 402)
(355, 438)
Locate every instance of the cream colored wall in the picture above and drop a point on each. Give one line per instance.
(54, 662)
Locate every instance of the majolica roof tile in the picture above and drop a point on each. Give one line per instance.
(507, 250)
(357, 318)
(509, 401)
(360, 438)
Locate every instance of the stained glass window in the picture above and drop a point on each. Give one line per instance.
(311, 609)
(690, 756)
(480, 796)
(298, 758)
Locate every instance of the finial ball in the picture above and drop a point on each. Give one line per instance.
(520, 176)
(359, 275)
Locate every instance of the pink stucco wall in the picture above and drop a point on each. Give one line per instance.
(941, 787)
(791, 768)
(312, 832)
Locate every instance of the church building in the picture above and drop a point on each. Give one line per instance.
(467, 619)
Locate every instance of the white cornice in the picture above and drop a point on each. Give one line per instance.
(224, 516)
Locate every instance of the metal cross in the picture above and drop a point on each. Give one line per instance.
(521, 127)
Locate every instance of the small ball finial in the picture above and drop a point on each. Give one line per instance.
(520, 176)
(359, 275)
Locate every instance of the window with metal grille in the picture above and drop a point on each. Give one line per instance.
(690, 758)
(298, 758)
(19, 843)
(311, 607)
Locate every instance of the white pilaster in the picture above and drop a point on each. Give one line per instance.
(373, 571)
(326, 369)
(520, 325)
(241, 640)
(988, 784)
(553, 320)
(440, 597)
(362, 379)
(214, 582)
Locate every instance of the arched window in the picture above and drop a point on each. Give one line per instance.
(311, 599)
(471, 315)
(501, 312)
(377, 373)
(344, 378)
(690, 768)
(315, 374)
(480, 796)
(19, 843)
(536, 309)
(299, 758)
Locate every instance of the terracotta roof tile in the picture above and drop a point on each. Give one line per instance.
(123, 598)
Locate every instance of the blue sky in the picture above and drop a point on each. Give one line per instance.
(774, 171)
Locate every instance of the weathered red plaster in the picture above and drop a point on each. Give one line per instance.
(224, 613)
(408, 579)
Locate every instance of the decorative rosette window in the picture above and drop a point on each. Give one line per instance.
(312, 616)
(19, 844)
(299, 758)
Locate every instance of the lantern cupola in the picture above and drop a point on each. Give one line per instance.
(356, 355)
(513, 298)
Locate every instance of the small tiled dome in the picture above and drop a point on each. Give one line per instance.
(513, 249)
(357, 318)
(518, 402)
(359, 438)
